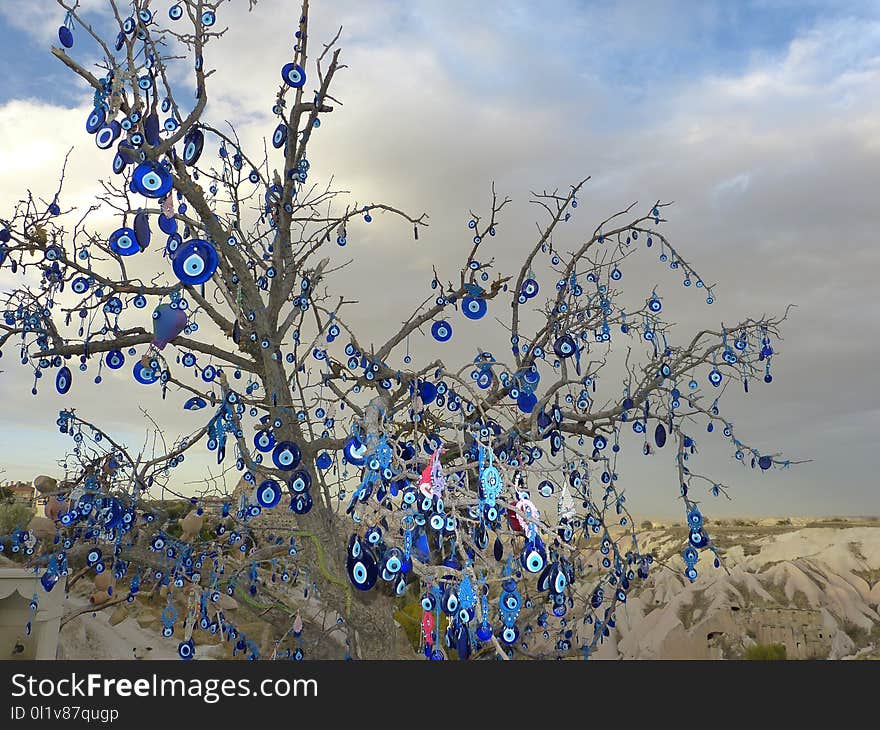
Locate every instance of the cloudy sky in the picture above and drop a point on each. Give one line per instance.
(761, 120)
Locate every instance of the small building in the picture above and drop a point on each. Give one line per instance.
(17, 589)
(21, 492)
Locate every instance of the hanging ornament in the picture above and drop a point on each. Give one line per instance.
(168, 322)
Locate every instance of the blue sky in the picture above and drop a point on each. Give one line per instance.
(760, 119)
(639, 48)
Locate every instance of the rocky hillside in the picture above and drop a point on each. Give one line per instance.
(812, 586)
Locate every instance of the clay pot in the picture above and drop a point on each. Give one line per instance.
(45, 484)
(104, 580)
(53, 508)
(99, 598)
(191, 525)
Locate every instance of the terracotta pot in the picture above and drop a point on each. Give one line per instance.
(191, 525)
(44, 484)
(53, 508)
(104, 580)
(99, 598)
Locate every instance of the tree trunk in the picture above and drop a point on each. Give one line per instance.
(367, 615)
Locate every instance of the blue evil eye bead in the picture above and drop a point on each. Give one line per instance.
(119, 163)
(264, 441)
(484, 379)
(167, 225)
(715, 377)
(151, 180)
(63, 380)
(427, 392)
(195, 262)
(765, 462)
(526, 402)
(106, 136)
(123, 242)
(142, 230)
(324, 461)
(510, 634)
(695, 519)
(279, 137)
(114, 359)
(193, 143)
(698, 539)
(194, 404)
(441, 331)
(293, 75)
(151, 129)
(286, 455)
(209, 18)
(362, 569)
(65, 37)
(449, 601)
(172, 244)
(473, 307)
(300, 481)
(175, 12)
(393, 560)
(209, 373)
(428, 602)
(564, 346)
(533, 556)
(484, 631)
(354, 451)
(545, 580)
(600, 442)
(269, 494)
(301, 504)
(95, 120)
(186, 650)
(654, 304)
(529, 288)
(145, 376)
(560, 581)
(660, 436)
(80, 285)
(546, 488)
(93, 556)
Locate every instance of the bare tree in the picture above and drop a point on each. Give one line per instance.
(484, 486)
